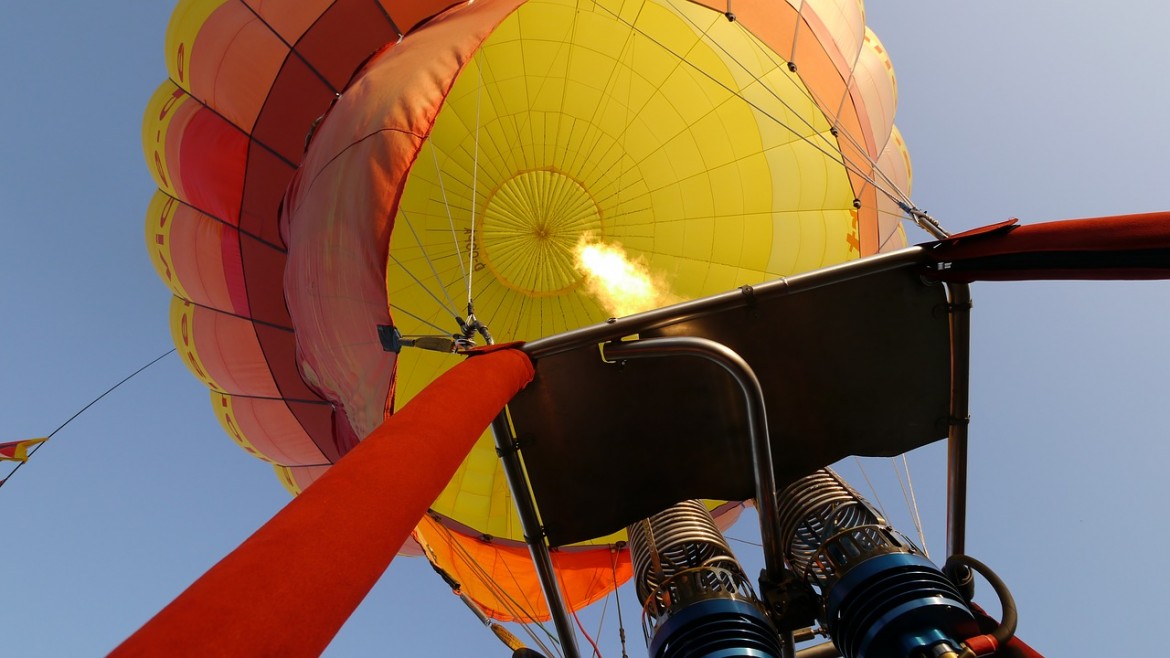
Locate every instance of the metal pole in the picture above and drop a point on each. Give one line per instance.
(533, 533)
(757, 419)
(960, 314)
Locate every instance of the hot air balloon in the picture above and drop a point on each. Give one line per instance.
(333, 170)
(354, 196)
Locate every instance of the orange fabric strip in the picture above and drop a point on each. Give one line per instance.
(289, 587)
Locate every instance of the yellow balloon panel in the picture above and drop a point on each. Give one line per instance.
(660, 126)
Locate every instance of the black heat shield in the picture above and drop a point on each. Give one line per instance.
(853, 360)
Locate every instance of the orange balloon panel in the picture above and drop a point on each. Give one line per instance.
(501, 579)
(196, 255)
(274, 430)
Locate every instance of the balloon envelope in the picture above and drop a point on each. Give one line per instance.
(326, 169)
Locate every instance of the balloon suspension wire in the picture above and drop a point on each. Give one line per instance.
(430, 293)
(868, 171)
(888, 187)
(601, 618)
(457, 589)
(618, 599)
(825, 146)
(32, 451)
(430, 324)
(506, 600)
(907, 486)
(872, 489)
(471, 250)
(451, 307)
(447, 207)
(911, 501)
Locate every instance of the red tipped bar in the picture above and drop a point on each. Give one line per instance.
(288, 588)
(1120, 247)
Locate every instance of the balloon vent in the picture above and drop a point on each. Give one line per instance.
(697, 600)
(881, 596)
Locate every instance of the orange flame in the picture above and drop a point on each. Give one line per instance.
(622, 285)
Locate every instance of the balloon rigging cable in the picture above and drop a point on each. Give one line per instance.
(60, 427)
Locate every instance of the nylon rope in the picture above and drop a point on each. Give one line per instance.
(569, 45)
(92, 402)
(516, 581)
(474, 182)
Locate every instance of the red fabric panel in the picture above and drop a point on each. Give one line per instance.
(290, 586)
(1119, 247)
(290, 19)
(344, 36)
(267, 177)
(297, 97)
(263, 279)
(212, 157)
(233, 269)
(407, 14)
(279, 349)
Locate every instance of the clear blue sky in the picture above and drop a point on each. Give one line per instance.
(1041, 110)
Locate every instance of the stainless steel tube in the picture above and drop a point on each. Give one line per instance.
(757, 419)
